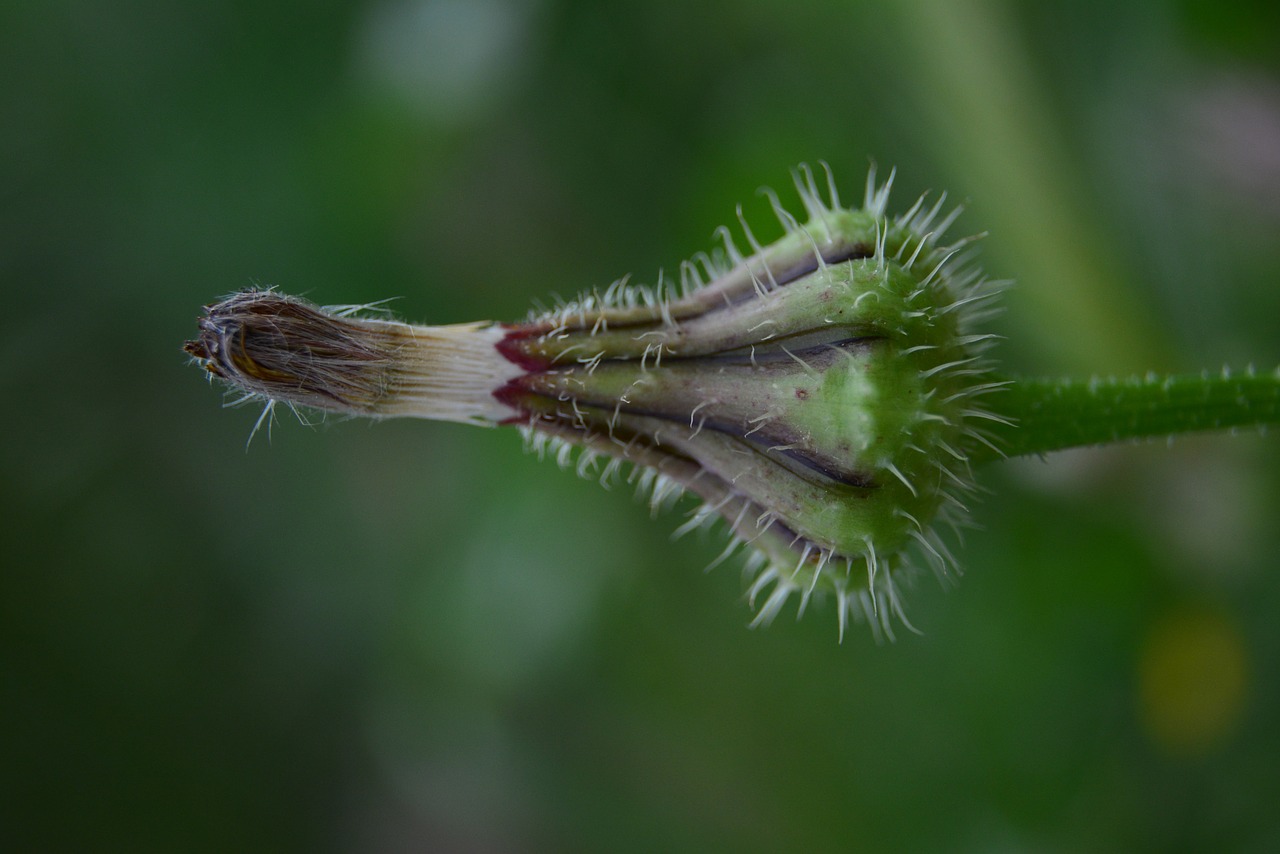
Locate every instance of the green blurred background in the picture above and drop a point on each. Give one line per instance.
(411, 636)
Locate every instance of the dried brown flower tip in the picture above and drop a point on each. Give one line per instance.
(284, 349)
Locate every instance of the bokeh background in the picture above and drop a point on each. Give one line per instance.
(413, 637)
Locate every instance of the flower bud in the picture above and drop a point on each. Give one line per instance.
(819, 395)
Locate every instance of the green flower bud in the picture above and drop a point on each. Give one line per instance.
(820, 395)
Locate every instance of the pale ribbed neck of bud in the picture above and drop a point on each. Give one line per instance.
(448, 373)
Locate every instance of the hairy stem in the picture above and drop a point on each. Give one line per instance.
(1052, 415)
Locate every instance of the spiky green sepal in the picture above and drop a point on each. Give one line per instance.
(821, 394)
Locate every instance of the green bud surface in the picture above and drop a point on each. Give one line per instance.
(821, 394)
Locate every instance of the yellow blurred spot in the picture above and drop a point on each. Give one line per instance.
(1192, 679)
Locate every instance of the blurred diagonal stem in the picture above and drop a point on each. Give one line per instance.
(991, 121)
(1039, 416)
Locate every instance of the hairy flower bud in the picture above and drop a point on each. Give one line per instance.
(820, 394)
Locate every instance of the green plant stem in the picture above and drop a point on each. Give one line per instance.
(1052, 415)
